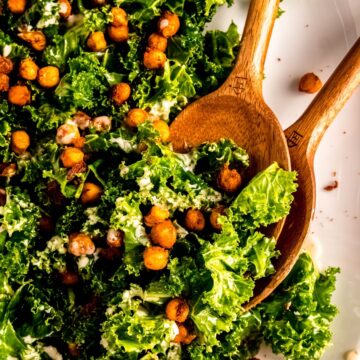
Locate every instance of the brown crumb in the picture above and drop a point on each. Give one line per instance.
(332, 186)
(333, 173)
(278, 59)
(310, 83)
(344, 132)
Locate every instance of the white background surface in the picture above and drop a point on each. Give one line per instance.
(313, 36)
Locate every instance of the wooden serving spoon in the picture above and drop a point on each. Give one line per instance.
(303, 139)
(237, 109)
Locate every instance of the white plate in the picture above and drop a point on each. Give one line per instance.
(313, 36)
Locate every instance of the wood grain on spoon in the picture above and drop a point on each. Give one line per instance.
(303, 139)
(237, 109)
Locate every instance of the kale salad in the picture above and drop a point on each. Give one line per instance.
(112, 246)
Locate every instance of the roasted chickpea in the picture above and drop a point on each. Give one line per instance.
(20, 141)
(115, 238)
(71, 156)
(118, 34)
(82, 120)
(19, 95)
(36, 39)
(96, 41)
(120, 93)
(156, 215)
(177, 310)
(7, 170)
(48, 77)
(16, 6)
(6, 65)
(101, 123)
(91, 193)
(310, 83)
(229, 180)
(154, 59)
(156, 258)
(46, 225)
(79, 142)
(183, 333)
(65, 8)
(3, 197)
(66, 134)
(163, 128)
(157, 42)
(119, 17)
(80, 244)
(136, 117)
(28, 70)
(169, 24)
(164, 234)
(69, 278)
(4, 82)
(214, 216)
(194, 220)
(189, 339)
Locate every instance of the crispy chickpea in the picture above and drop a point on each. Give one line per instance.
(183, 333)
(16, 6)
(71, 156)
(96, 41)
(154, 59)
(82, 120)
(65, 8)
(4, 82)
(91, 193)
(310, 83)
(101, 123)
(66, 134)
(214, 216)
(118, 34)
(156, 215)
(46, 225)
(177, 310)
(7, 170)
(157, 42)
(69, 278)
(79, 142)
(155, 258)
(80, 244)
(229, 180)
(48, 77)
(119, 17)
(136, 117)
(19, 95)
(20, 141)
(169, 24)
(36, 39)
(120, 93)
(6, 65)
(115, 238)
(28, 69)
(164, 234)
(3, 197)
(194, 220)
(163, 128)
(189, 339)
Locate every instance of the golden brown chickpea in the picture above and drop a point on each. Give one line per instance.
(82, 120)
(189, 339)
(66, 134)
(120, 93)
(115, 238)
(183, 333)
(96, 41)
(177, 310)
(19, 95)
(20, 141)
(310, 83)
(6, 65)
(136, 117)
(46, 225)
(4, 82)
(154, 59)
(65, 8)
(169, 24)
(48, 77)
(79, 142)
(36, 39)
(118, 34)
(229, 180)
(80, 244)
(156, 215)
(7, 170)
(28, 70)
(163, 128)
(194, 220)
(71, 156)
(164, 234)
(157, 42)
(156, 258)
(119, 17)
(215, 213)
(16, 6)
(91, 193)
(69, 278)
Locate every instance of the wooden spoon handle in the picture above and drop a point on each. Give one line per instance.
(306, 133)
(247, 75)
